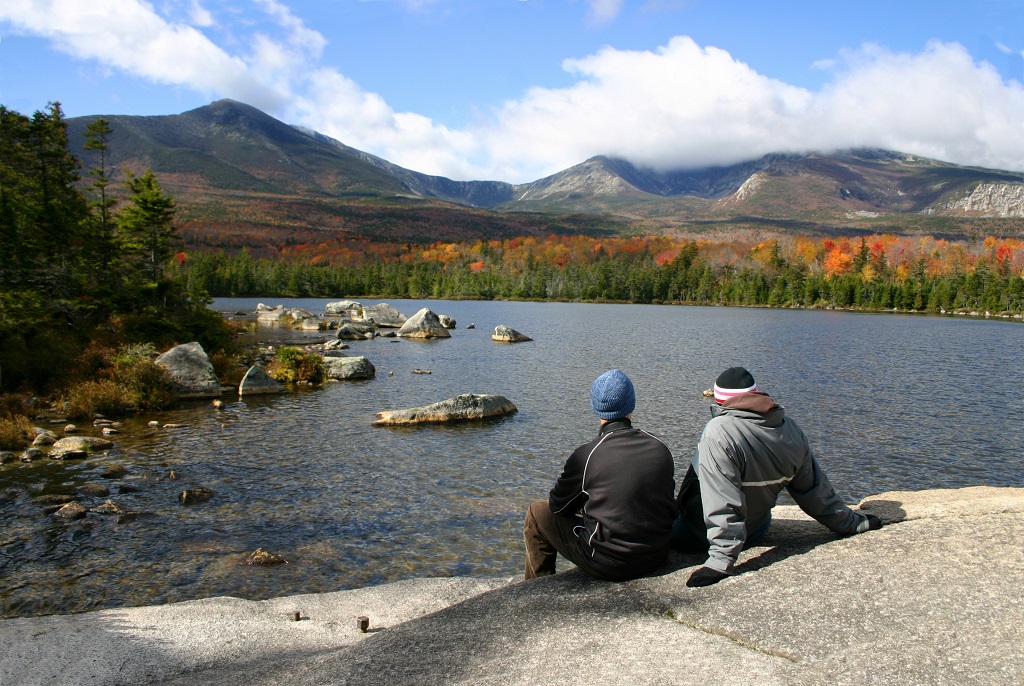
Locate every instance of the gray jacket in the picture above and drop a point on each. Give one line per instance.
(747, 454)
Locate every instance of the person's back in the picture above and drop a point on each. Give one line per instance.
(611, 510)
(748, 453)
(624, 481)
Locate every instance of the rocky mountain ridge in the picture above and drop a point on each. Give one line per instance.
(231, 148)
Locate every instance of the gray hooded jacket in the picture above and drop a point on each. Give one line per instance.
(747, 454)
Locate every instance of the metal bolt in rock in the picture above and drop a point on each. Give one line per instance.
(363, 622)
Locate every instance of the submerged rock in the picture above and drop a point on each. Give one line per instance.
(52, 501)
(348, 332)
(195, 495)
(424, 324)
(263, 557)
(506, 334)
(94, 490)
(468, 406)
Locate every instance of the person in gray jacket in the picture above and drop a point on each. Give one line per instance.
(748, 453)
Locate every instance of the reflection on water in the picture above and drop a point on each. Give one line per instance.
(889, 402)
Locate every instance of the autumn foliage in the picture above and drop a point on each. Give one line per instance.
(919, 273)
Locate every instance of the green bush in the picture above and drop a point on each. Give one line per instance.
(296, 365)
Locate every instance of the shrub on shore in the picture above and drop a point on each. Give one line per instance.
(122, 382)
(15, 432)
(294, 365)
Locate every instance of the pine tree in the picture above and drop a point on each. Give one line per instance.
(97, 136)
(147, 232)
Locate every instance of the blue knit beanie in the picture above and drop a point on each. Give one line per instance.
(612, 395)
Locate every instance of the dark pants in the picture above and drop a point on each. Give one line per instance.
(547, 534)
(689, 530)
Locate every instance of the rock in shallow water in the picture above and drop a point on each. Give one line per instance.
(78, 446)
(467, 406)
(506, 334)
(72, 510)
(195, 495)
(256, 381)
(423, 324)
(350, 368)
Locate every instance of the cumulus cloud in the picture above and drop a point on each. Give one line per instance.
(130, 36)
(336, 106)
(687, 106)
(199, 15)
(680, 105)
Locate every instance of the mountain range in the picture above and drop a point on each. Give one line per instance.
(241, 177)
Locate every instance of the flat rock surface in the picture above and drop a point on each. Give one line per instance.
(934, 597)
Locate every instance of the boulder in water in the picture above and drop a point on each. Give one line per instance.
(383, 314)
(424, 324)
(468, 406)
(256, 381)
(343, 308)
(78, 446)
(506, 334)
(350, 368)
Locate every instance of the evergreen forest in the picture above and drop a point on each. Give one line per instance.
(78, 267)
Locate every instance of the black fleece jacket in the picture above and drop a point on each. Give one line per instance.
(620, 486)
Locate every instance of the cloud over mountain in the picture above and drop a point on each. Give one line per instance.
(680, 105)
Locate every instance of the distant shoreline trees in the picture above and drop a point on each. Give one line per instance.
(884, 272)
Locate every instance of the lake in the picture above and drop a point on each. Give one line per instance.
(890, 402)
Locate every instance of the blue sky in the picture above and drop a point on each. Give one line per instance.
(518, 89)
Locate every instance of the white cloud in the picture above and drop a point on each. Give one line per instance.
(681, 105)
(939, 103)
(199, 15)
(684, 106)
(602, 11)
(129, 36)
(336, 106)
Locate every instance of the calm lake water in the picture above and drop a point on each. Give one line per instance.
(889, 402)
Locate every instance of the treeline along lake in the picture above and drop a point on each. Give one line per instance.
(890, 402)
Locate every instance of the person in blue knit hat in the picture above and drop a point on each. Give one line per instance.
(611, 510)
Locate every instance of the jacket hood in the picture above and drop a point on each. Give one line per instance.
(754, 406)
